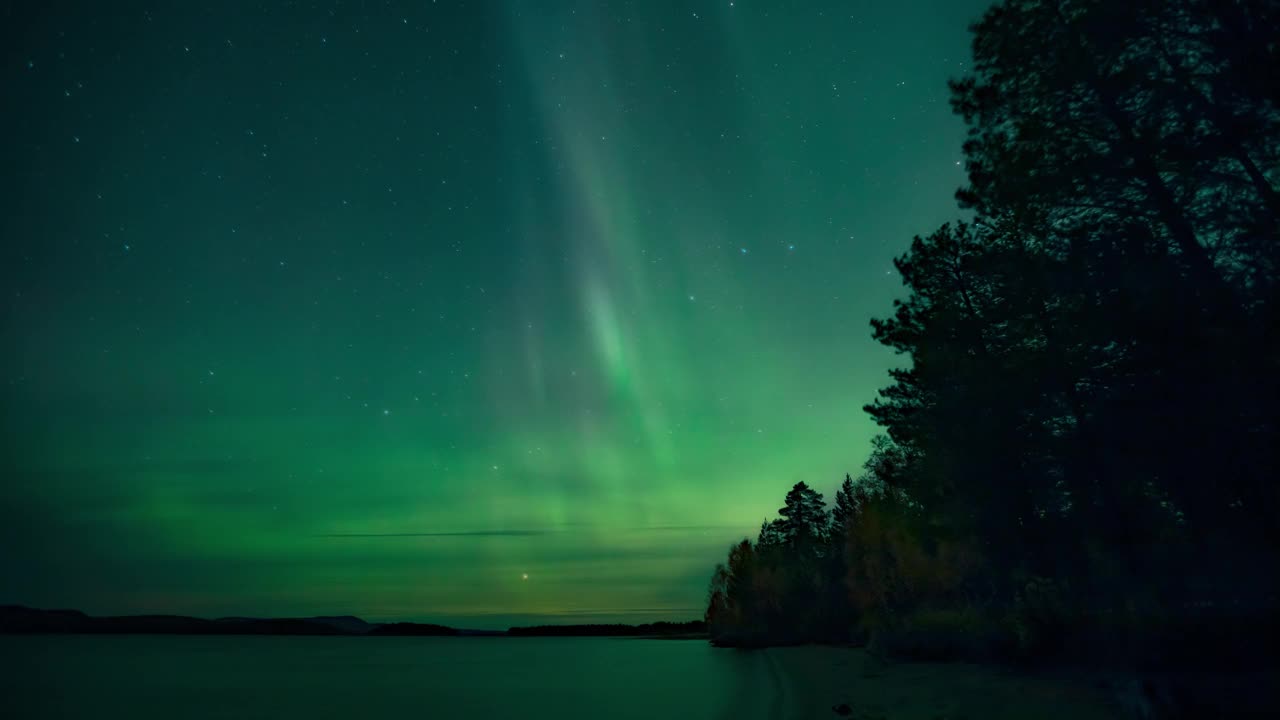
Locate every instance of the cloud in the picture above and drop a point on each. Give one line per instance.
(683, 528)
(456, 533)
(631, 611)
(526, 533)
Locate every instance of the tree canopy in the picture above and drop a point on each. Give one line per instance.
(1087, 419)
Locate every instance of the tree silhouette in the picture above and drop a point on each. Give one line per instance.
(804, 523)
(1092, 383)
(772, 535)
(1130, 153)
(1084, 435)
(845, 507)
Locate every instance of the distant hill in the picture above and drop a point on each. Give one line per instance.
(346, 623)
(691, 629)
(407, 628)
(17, 619)
(342, 624)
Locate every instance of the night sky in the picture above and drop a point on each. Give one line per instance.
(458, 311)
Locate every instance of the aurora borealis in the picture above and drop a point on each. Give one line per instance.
(452, 311)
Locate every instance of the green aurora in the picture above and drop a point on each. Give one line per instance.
(379, 308)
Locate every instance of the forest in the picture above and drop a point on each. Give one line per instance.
(1078, 453)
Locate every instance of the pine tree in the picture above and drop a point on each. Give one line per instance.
(844, 509)
(804, 523)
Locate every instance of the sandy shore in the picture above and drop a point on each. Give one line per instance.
(814, 679)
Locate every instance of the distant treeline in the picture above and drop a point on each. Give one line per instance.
(1079, 453)
(417, 629)
(658, 629)
(22, 620)
(16, 619)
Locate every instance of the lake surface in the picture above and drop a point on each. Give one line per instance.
(144, 677)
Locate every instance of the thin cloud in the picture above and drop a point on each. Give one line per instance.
(630, 611)
(529, 533)
(684, 528)
(456, 533)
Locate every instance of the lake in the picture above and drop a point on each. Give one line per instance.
(148, 676)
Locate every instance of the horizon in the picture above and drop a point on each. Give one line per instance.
(449, 310)
(480, 621)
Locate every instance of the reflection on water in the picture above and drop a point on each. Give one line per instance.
(147, 677)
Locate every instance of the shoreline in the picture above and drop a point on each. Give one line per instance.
(824, 678)
(820, 680)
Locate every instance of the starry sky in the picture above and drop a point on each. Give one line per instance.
(473, 312)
